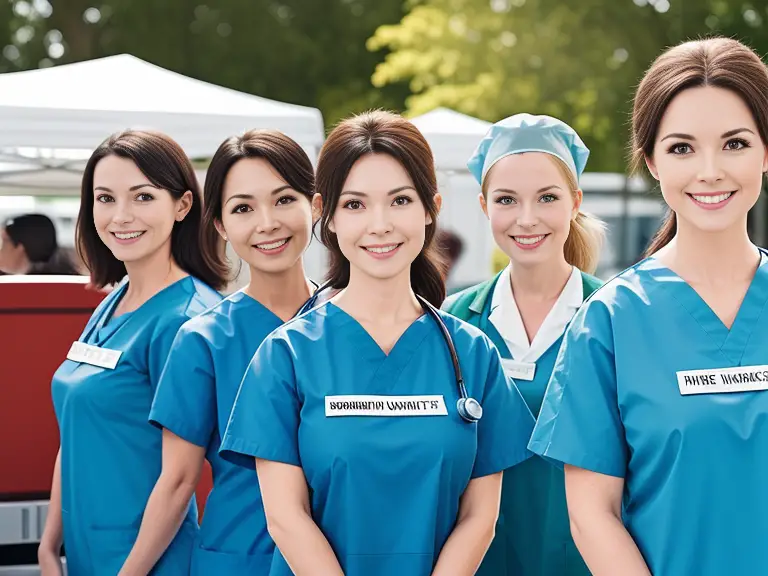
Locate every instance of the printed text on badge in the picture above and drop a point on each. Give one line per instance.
(720, 380)
(353, 405)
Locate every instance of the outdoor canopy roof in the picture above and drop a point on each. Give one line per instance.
(452, 136)
(52, 118)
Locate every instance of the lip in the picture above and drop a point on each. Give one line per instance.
(127, 241)
(273, 251)
(529, 246)
(716, 206)
(382, 255)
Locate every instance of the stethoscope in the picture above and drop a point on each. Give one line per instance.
(468, 408)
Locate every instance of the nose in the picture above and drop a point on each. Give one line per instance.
(526, 215)
(710, 170)
(123, 213)
(267, 222)
(381, 221)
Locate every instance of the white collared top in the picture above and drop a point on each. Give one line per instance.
(506, 318)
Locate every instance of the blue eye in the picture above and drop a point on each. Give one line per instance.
(505, 200)
(547, 198)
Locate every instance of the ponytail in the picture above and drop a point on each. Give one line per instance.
(428, 276)
(585, 240)
(663, 235)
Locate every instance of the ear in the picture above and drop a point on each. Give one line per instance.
(578, 198)
(184, 205)
(765, 161)
(483, 203)
(651, 167)
(317, 207)
(220, 229)
(438, 206)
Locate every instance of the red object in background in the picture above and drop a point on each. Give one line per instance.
(40, 317)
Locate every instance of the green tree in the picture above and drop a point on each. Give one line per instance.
(579, 61)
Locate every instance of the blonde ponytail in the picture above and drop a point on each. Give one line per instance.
(584, 243)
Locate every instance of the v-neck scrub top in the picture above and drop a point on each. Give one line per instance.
(110, 454)
(650, 386)
(384, 451)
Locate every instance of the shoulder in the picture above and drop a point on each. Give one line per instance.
(185, 300)
(458, 304)
(466, 337)
(213, 321)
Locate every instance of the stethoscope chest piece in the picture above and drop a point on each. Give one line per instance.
(469, 409)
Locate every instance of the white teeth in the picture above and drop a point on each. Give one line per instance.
(712, 199)
(128, 236)
(272, 245)
(529, 240)
(382, 249)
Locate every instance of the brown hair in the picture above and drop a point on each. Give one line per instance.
(380, 132)
(166, 166)
(288, 159)
(587, 233)
(719, 62)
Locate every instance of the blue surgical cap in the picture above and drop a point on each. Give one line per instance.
(529, 133)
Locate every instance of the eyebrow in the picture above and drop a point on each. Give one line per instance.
(539, 191)
(131, 189)
(390, 193)
(251, 196)
(728, 134)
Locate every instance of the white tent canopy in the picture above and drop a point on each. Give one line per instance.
(75, 106)
(452, 136)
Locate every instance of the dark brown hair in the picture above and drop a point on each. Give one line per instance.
(166, 166)
(288, 159)
(718, 62)
(380, 132)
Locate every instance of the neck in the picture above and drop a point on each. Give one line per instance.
(711, 257)
(148, 276)
(282, 293)
(541, 281)
(381, 301)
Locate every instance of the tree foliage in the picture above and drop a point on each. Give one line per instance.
(579, 61)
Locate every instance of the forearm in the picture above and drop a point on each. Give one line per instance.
(304, 546)
(607, 547)
(466, 546)
(53, 532)
(163, 515)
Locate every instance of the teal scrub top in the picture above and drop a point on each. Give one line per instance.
(110, 455)
(650, 386)
(385, 453)
(194, 400)
(533, 535)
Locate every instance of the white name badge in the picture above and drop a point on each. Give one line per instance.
(87, 354)
(720, 380)
(518, 370)
(354, 405)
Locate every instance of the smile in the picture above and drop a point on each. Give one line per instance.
(383, 250)
(529, 242)
(273, 247)
(127, 236)
(712, 201)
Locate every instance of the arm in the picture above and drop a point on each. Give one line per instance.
(478, 511)
(289, 521)
(49, 551)
(594, 508)
(167, 505)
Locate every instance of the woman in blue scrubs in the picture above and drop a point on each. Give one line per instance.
(366, 465)
(140, 217)
(528, 168)
(658, 404)
(258, 194)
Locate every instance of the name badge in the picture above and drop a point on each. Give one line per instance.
(354, 405)
(720, 380)
(87, 354)
(518, 370)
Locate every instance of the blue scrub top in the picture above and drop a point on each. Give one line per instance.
(110, 454)
(384, 490)
(194, 399)
(619, 404)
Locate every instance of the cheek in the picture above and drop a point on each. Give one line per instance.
(501, 220)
